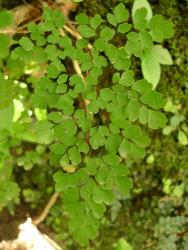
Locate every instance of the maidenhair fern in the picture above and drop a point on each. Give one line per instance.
(92, 128)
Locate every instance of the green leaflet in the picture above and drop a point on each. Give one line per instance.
(6, 88)
(121, 13)
(134, 133)
(59, 19)
(107, 33)
(112, 19)
(98, 210)
(58, 148)
(96, 21)
(151, 68)
(138, 4)
(155, 56)
(87, 230)
(123, 184)
(142, 86)
(143, 114)
(146, 40)
(26, 43)
(112, 142)
(44, 132)
(160, 29)
(6, 117)
(74, 155)
(86, 31)
(53, 71)
(127, 78)
(9, 191)
(102, 175)
(132, 110)
(82, 19)
(5, 44)
(124, 27)
(64, 181)
(139, 19)
(123, 245)
(162, 55)
(153, 99)
(182, 138)
(101, 196)
(156, 119)
(6, 19)
(128, 148)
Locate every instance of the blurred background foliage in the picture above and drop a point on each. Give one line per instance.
(155, 215)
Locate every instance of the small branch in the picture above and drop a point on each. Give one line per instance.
(75, 62)
(75, 34)
(26, 25)
(76, 65)
(79, 72)
(46, 210)
(19, 29)
(13, 32)
(78, 69)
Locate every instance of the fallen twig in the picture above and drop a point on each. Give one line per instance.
(46, 210)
